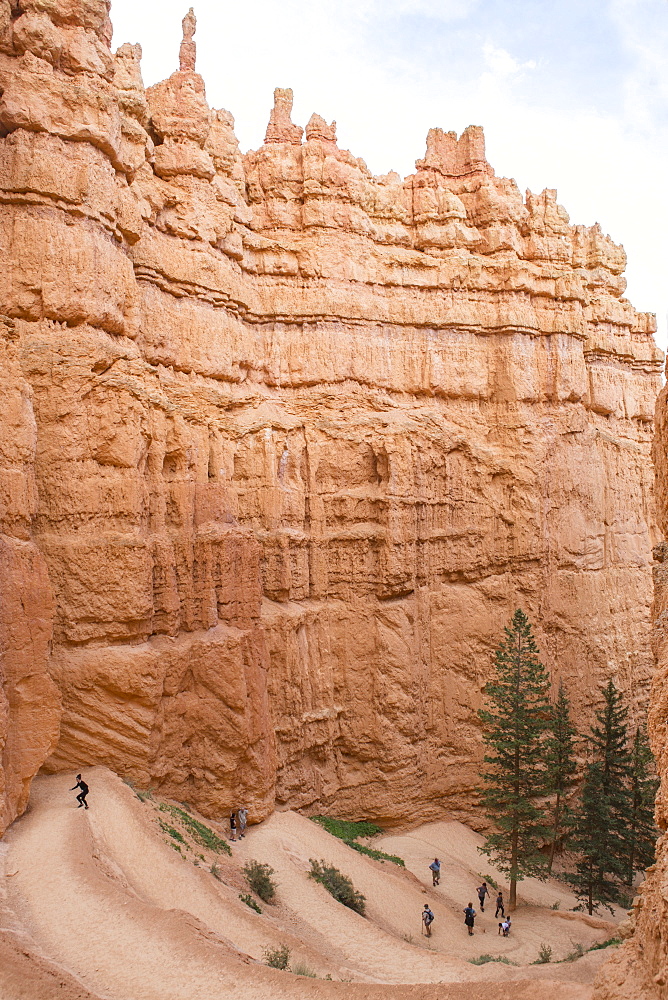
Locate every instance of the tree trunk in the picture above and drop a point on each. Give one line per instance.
(553, 845)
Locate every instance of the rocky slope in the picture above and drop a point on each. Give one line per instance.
(302, 439)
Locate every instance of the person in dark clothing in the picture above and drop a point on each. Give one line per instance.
(482, 891)
(500, 908)
(469, 918)
(233, 826)
(81, 797)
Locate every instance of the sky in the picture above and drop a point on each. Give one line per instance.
(572, 94)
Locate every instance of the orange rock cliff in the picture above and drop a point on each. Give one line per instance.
(284, 444)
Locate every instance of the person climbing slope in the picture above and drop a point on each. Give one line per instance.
(427, 919)
(500, 908)
(482, 891)
(435, 868)
(81, 797)
(469, 918)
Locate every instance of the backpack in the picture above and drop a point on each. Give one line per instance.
(427, 916)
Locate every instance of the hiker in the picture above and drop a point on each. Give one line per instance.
(427, 919)
(500, 908)
(504, 926)
(81, 797)
(435, 868)
(469, 918)
(482, 891)
(233, 826)
(243, 819)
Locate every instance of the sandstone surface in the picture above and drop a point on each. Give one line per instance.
(303, 438)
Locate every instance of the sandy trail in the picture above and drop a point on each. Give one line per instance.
(100, 897)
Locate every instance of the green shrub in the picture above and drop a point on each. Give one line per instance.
(555, 906)
(489, 880)
(200, 832)
(249, 901)
(338, 885)
(578, 952)
(544, 955)
(300, 969)
(605, 944)
(345, 829)
(277, 958)
(371, 852)
(484, 959)
(350, 832)
(259, 879)
(170, 831)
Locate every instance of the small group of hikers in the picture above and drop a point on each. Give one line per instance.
(238, 821)
(469, 912)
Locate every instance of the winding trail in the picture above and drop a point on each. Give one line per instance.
(97, 906)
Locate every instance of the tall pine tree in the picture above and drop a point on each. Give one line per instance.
(560, 766)
(515, 721)
(603, 819)
(642, 832)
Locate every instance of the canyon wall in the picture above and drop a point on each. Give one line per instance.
(639, 969)
(302, 439)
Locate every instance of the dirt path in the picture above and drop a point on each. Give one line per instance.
(101, 897)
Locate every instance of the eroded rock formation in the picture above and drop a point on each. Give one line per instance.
(305, 437)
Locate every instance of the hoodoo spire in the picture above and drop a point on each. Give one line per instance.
(188, 50)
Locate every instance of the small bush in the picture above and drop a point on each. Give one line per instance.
(300, 969)
(338, 885)
(215, 871)
(578, 952)
(556, 906)
(484, 959)
(489, 880)
(277, 958)
(259, 879)
(249, 901)
(544, 955)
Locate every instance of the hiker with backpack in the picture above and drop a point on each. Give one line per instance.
(427, 919)
(435, 868)
(469, 918)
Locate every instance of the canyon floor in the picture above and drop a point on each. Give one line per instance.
(97, 905)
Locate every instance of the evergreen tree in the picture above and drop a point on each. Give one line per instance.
(603, 819)
(560, 766)
(515, 721)
(642, 833)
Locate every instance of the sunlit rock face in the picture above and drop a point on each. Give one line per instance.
(302, 440)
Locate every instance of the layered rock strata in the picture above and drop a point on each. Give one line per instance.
(305, 437)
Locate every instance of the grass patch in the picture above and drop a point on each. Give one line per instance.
(338, 885)
(605, 944)
(277, 958)
(484, 959)
(249, 901)
(371, 852)
(345, 829)
(259, 879)
(200, 832)
(544, 955)
(489, 880)
(172, 832)
(350, 832)
(301, 969)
